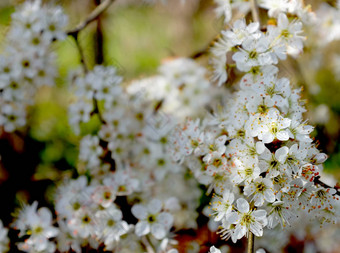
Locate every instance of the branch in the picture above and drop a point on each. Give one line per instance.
(254, 11)
(97, 111)
(81, 53)
(93, 16)
(319, 182)
(204, 50)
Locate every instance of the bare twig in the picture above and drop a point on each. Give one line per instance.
(81, 53)
(254, 11)
(251, 239)
(92, 17)
(205, 50)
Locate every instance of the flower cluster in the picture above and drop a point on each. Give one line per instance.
(135, 182)
(37, 225)
(181, 88)
(256, 152)
(257, 52)
(28, 61)
(129, 158)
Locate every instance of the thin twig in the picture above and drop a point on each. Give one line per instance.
(81, 53)
(204, 50)
(92, 17)
(251, 239)
(254, 11)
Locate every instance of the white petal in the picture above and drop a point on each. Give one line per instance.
(142, 228)
(240, 231)
(267, 137)
(166, 219)
(269, 195)
(242, 205)
(260, 147)
(285, 123)
(259, 214)
(214, 250)
(253, 27)
(282, 136)
(233, 218)
(281, 154)
(139, 211)
(155, 206)
(158, 231)
(256, 229)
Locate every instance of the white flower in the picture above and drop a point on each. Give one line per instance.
(289, 33)
(111, 226)
(104, 195)
(244, 169)
(279, 213)
(214, 250)
(220, 74)
(274, 7)
(300, 131)
(215, 163)
(223, 9)
(247, 220)
(241, 31)
(274, 126)
(151, 219)
(83, 223)
(275, 164)
(222, 206)
(90, 150)
(254, 52)
(122, 182)
(262, 189)
(12, 117)
(38, 225)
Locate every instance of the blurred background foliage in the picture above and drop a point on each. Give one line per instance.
(136, 38)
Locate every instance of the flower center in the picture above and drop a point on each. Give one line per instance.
(253, 54)
(260, 187)
(247, 219)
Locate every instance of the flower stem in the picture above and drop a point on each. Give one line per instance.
(251, 239)
(254, 11)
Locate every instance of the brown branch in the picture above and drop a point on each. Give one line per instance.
(94, 15)
(205, 50)
(90, 18)
(81, 53)
(99, 39)
(319, 182)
